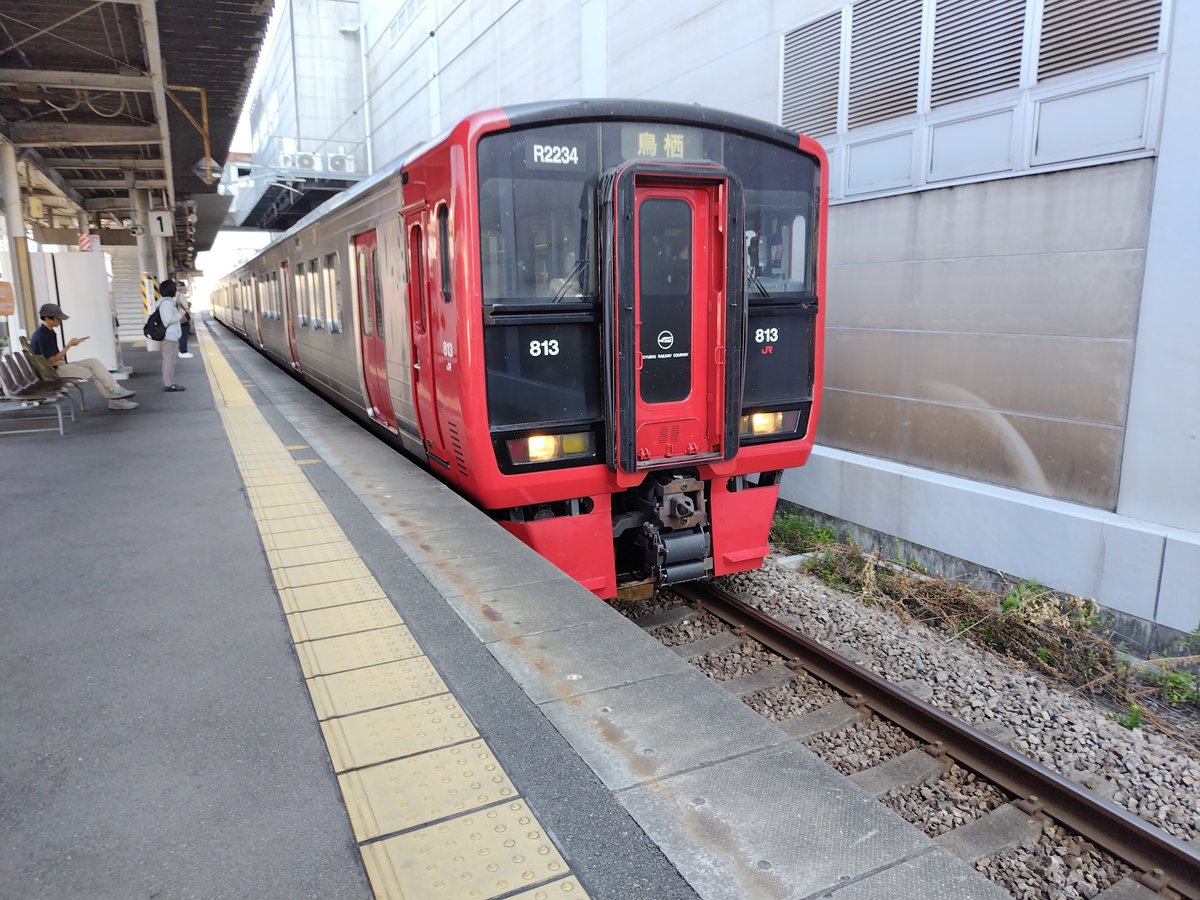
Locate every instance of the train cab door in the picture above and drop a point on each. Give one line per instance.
(421, 331)
(370, 328)
(679, 320)
(289, 313)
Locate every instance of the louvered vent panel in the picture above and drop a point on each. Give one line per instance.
(976, 48)
(885, 48)
(1081, 33)
(810, 76)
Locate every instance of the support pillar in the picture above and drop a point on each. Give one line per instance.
(81, 224)
(18, 247)
(146, 254)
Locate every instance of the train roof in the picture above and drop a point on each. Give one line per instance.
(525, 115)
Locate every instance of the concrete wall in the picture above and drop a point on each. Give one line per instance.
(498, 52)
(987, 330)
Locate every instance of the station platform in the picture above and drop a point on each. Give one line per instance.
(249, 650)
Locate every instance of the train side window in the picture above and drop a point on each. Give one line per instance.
(333, 296)
(416, 274)
(443, 217)
(300, 293)
(315, 297)
(364, 297)
(378, 292)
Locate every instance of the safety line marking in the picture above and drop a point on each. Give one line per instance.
(422, 788)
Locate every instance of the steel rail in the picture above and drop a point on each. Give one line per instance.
(1163, 860)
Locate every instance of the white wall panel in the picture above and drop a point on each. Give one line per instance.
(973, 146)
(1092, 123)
(880, 164)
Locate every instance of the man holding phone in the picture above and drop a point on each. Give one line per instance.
(44, 342)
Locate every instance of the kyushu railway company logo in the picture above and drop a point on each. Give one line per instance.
(665, 340)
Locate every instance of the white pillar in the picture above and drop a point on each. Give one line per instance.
(1161, 457)
(18, 249)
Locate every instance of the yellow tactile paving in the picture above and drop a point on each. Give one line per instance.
(483, 854)
(302, 537)
(354, 651)
(407, 793)
(273, 513)
(347, 619)
(331, 551)
(374, 687)
(320, 573)
(260, 481)
(410, 759)
(287, 524)
(271, 470)
(336, 593)
(563, 889)
(282, 494)
(394, 731)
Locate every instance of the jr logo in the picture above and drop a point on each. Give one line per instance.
(665, 340)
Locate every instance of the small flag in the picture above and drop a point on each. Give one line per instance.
(89, 242)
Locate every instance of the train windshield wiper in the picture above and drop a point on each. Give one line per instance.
(571, 278)
(753, 279)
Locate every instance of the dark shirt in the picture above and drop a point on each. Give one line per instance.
(43, 341)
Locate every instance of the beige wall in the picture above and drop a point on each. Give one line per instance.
(987, 330)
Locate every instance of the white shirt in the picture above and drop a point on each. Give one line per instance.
(171, 317)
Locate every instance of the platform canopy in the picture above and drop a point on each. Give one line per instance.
(103, 98)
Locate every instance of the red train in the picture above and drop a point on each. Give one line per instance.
(600, 320)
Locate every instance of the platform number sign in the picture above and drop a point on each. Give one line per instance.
(162, 223)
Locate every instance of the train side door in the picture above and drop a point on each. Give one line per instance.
(258, 286)
(677, 394)
(289, 313)
(421, 332)
(370, 328)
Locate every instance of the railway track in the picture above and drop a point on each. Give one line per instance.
(1160, 862)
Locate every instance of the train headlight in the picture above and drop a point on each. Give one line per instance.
(760, 423)
(764, 424)
(545, 448)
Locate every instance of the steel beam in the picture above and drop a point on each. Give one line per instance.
(149, 23)
(120, 164)
(62, 134)
(115, 184)
(86, 80)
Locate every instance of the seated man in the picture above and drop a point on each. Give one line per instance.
(44, 342)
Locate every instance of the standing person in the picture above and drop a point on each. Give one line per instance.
(172, 316)
(185, 327)
(44, 342)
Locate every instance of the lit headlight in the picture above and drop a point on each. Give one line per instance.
(758, 424)
(765, 424)
(544, 448)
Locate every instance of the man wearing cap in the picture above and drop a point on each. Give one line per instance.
(44, 342)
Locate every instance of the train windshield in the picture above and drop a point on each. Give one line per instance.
(538, 206)
(537, 225)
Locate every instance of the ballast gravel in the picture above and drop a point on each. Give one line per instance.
(1149, 774)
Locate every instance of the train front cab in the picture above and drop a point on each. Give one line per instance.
(652, 339)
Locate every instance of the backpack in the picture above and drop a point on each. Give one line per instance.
(154, 327)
